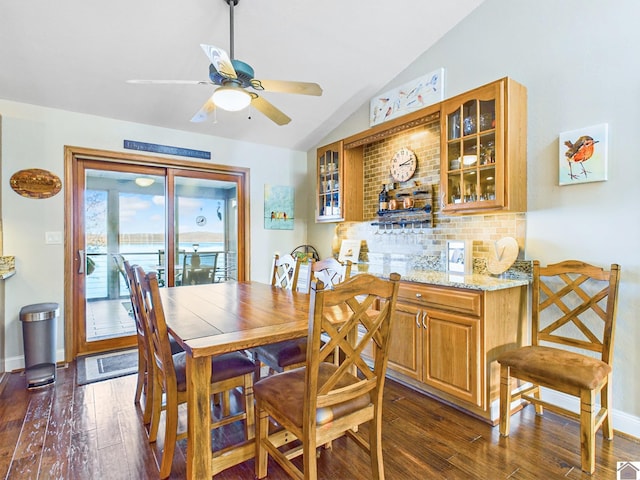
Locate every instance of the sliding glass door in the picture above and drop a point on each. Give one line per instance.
(185, 224)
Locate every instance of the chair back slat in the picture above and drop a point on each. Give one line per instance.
(284, 271)
(574, 304)
(344, 318)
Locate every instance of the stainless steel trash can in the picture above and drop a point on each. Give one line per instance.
(39, 330)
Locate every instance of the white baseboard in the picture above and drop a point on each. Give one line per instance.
(622, 422)
(17, 363)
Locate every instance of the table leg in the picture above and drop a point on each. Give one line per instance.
(198, 418)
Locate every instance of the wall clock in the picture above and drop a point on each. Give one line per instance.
(403, 165)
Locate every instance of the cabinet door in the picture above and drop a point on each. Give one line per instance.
(406, 341)
(452, 355)
(472, 163)
(329, 188)
(483, 161)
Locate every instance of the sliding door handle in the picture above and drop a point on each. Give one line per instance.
(82, 258)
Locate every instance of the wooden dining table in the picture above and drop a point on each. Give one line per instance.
(212, 319)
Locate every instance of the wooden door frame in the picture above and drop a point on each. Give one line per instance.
(72, 154)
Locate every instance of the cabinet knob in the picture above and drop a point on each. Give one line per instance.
(418, 295)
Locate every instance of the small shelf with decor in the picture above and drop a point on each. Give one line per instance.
(409, 207)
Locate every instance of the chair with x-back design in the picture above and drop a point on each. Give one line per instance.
(573, 324)
(322, 401)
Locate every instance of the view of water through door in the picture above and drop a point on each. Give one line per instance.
(182, 224)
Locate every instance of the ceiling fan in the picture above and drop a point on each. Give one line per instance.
(233, 78)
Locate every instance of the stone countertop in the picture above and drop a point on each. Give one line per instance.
(475, 281)
(7, 267)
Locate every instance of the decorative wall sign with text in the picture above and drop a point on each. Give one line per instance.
(35, 183)
(166, 149)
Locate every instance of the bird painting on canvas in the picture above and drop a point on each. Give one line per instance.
(579, 152)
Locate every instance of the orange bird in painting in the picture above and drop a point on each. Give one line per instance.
(579, 152)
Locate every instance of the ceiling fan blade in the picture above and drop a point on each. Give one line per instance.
(269, 111)
(220, 60)
(283, 86)
(171, 82)
(204, 112)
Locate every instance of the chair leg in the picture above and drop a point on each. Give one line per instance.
(505, 400)
(257, 372)
(170, 435)
(539, 407)
(225, 399)
(309, 458)
(375, 446)
(262, 432)
(250, 421)
(587, 430)
(142, 370)
(606, 395)
(156, 409)
(148, 400)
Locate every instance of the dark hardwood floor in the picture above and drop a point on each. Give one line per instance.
(94, 431)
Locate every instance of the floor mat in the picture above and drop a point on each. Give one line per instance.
(95, 368)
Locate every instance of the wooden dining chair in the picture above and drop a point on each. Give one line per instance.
(331, 271)
(290, 354)
(573, 324)
(284, 271)
(143, 385)
(322, 401)
(228, 371)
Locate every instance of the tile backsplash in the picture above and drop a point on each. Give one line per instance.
(427, 245)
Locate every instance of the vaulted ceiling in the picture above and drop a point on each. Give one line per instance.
(77, 55)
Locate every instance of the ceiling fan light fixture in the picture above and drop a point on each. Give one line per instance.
(231, 99)
(144, 181)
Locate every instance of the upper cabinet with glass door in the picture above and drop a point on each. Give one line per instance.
(483, 149)
(339, 184)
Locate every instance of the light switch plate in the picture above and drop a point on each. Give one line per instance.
(53, 238)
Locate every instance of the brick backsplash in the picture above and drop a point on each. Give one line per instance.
(481, 229)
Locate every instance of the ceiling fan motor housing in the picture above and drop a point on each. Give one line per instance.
(243, 70)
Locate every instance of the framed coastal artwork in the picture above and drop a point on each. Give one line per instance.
(583, 155)
(278, 207)
(419, 93)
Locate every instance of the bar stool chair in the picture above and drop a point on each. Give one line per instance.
(143, 385)
(573, 324)
(323, 401)
(168, 372)
(290, 354)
